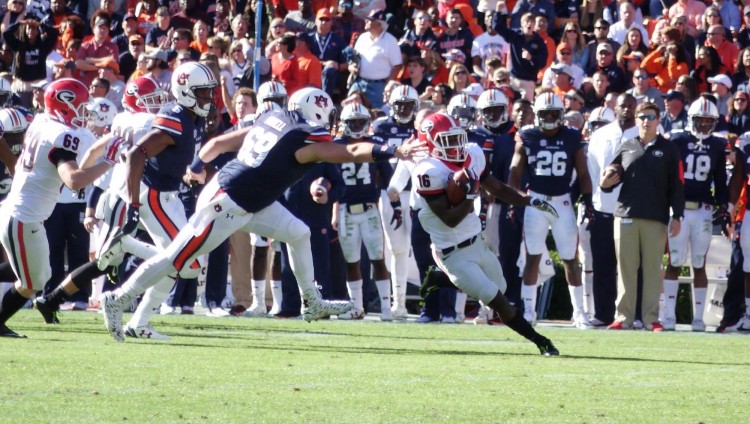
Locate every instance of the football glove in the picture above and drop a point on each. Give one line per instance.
(398, 214)
(543, 206)
(132, 217)
(723, 219)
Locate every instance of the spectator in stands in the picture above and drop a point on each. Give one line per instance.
(682, 38)
(633, 43)
(219, 47)
(328, 47)
(523, 113)
(642, 90)
(458, 78)
(96, 50)
(632, 62)
(564, 57)
(116, 27)
(37, 92)
(666, 63)
(711, 17)
(421, 35)
(487, 46)
(284, 66)
(738, 116)
(456, 36)
(627, 21)
(158, 68)
(675, 117)
(238, 63)
(528, 53)
(689, 88)
(721, 87)
(439, 96)
(597, 91)
(536, 7)
(346, 24)
(58, 11)
(146, 12)
(181, 40)
(379, 59)
(416, 79)
(301, 20)
(741, 74)
(200, 37)
(310, 69)
(693, 10)
(129, 58)
(158, 37)
(601, 35)
(99, 88)
(65, 69)
(221, 24)
(190, 13)
(707, 65)
(273, 38)
(110, 71)
(574, 37)
(726, 49)
(605, 62)
(562, 79)
(240, 27)
(573, 101)
(141, 67)
(541, 27)
(129, 28)
(743, 38)
(32, 42)
(15, 11)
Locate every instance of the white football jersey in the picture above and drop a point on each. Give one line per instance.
(36, 185)
(132, 127)
(431, 177)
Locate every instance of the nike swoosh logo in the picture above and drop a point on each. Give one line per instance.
(34, 231)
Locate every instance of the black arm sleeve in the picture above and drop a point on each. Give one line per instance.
(93, 199)
(58, 156)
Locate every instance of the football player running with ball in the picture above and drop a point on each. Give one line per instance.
(458, 248)
(551, 152)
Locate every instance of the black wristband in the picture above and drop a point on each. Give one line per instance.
(198, 165)
(381, 152)
(93, 200)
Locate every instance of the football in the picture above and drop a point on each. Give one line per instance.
(456, 188)
(319, 186)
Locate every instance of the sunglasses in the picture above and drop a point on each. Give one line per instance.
(640, 77)
(741, 100)
(460, 73)
(646, 117)
(571, 30)
(604, 53)
(136, 43)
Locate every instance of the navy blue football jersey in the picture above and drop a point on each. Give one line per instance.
(164, 171)
(703, 167)
(550, 160)
(361, 179)
(266, 164)
(387, 131)
(482, 138)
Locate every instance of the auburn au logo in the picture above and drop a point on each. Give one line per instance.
(182, 79)
(321, 101)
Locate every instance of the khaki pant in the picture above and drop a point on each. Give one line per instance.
(639, 242)
(526, 87)
(239, 267)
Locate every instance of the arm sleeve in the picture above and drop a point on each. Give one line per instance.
(93, 200)
(58, 155)
(401, 175)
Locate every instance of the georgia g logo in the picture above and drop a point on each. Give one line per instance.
(321, 101)
(182, 78)
(131, 89)
(427, 127)
(65, 96)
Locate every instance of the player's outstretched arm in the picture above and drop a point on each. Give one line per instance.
(96, 151)
(517, 166)
(358, 152)
(504, 192)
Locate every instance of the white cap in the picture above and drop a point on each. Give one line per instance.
(721, 79)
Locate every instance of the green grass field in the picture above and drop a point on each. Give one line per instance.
(288, 371)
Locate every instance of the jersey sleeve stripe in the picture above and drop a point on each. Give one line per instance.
(167, 124)
(431, 192)
(320, 138)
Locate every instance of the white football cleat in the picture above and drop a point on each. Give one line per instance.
(256, 310)
(217, 313)
(698, 325)
(352, 314)
(112, 309)
(386, 314)
(111, 251)
(144, 332)
(399, 313)
(483, 315)
(317, 308)
(670, 323)
(581, 321)
(165, 309)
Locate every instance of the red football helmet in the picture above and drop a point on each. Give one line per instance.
(144, 95)
(445, 138)
(65, 101)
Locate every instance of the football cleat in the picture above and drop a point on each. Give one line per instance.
(447, 320)
(386, 314)
(317, 308)
(698, 325)
(425, 319)
(144, 332)
(7, 332)
(483, 316)
(111, 250)
(259, 310)
(49, 312)
(352, 314)
(546, 348)
(113, 308)
(581, 321)
(669, 323)
(619, 325)
(237, 310)
(217, 313)
(399, 313)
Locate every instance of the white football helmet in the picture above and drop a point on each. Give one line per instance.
(492, 106)
(463, 109)
(13, 121)
(356, 120)
(272, 91)
(189, 77)
(702, 118)
(600, 117)
(404, 103)
(315, 105)
(101, 112)
(266, 106)
(5, 93)
(548, 111)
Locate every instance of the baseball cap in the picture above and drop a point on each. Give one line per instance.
(604, 46)
(721, 79)
(324, 13)
(674, 95)
(455, 54)
(563, 68)
(746, 10)
(376, 15)
(564, 46)
(100, 21)
(573, 94)
(135, 37)
(159, 54)
(129, 15)
(40, 85)
(474, 89)
(633, 55)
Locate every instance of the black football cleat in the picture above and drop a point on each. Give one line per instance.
(548, 349)
(7, 332)
(49, 312)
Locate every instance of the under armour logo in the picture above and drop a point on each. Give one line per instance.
(230, 216)
(321, 101)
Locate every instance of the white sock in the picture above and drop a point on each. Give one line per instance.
(138, 248)
(670, 297)
(588, 292)
(576, 299)
(277, 294)
(699, 303)
(461, 303)
(259, 292)
(355, 294)
(661, 307)
(399, 291)
(528, 294)
(399, 274)
(747, 306)
(384, 291)
(151, 302)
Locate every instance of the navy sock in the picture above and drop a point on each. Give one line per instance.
(12, 302)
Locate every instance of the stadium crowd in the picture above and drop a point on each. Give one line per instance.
(630, 119)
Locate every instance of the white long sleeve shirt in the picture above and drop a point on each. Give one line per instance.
(603, 145)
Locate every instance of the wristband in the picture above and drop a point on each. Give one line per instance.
(381, 153)
(135, 205)
(198, 165)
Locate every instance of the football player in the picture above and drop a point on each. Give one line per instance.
(273, 154)
(394, 130)
(356, 216)
(272, 91)
(704, 168)
(459, 250)
(54, 154)
(14, 124)
(551, 152)
(105, 210)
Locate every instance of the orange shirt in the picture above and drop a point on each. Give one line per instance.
(666, 75)
(201, 47)
(310, 71)
(551, 54)
(286, 71)
(728, 52)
